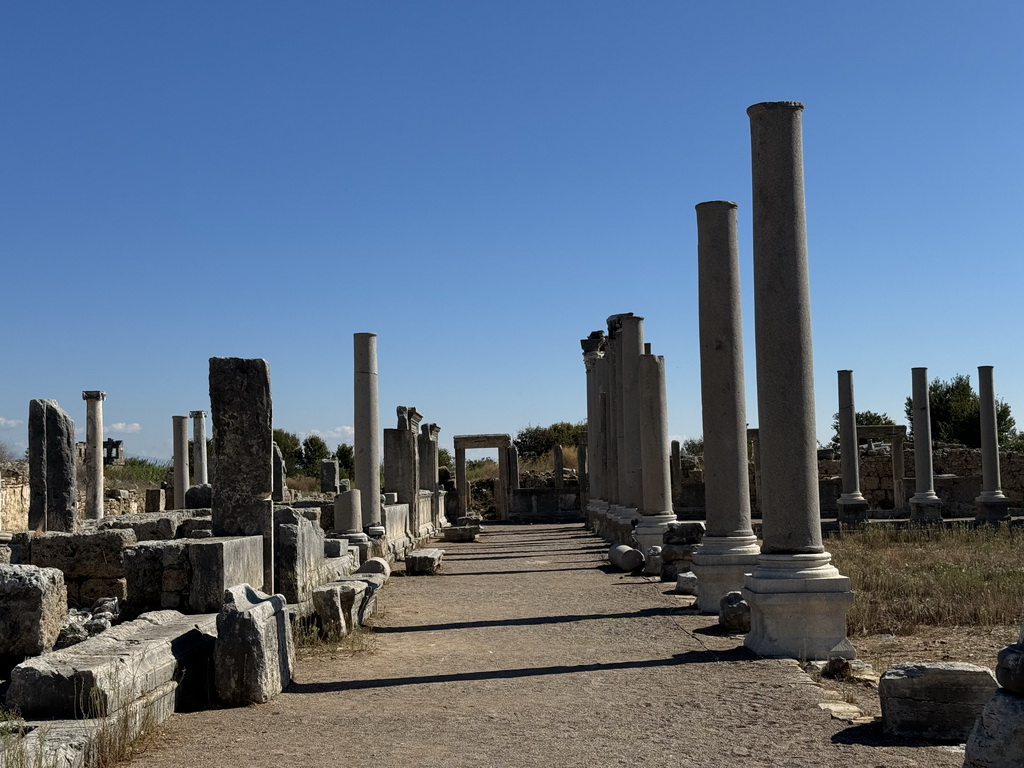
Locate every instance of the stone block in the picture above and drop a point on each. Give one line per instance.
(157, 575)
(332, 604)
(255, 653)
(33, 606)
(734, 613)
(98, 554)
(335, 547)
(376, 565)
(151, 526)
(939, 700)
(108, 672)
(196, 527)
(220, 563)
(461, 532)
(686, 584)
(298, 553)
(625, 557)
(683, 533)
(677, 559)
(997, 740)
(423, 562)
(155, 499)
(199, 497)
(336, 567)
(5, 555)
(91, 590)
(52, 467)
(361, 602)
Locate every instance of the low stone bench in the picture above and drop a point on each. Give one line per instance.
(423, 562)
(938, 700)
(156, 653)
(461, 532)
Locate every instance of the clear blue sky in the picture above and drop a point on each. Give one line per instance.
(481, 184)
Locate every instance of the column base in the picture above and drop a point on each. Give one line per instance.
(650, 530)
(721, 565)
(853, 509)
(798, 606)
(925, 508)
(992, 508)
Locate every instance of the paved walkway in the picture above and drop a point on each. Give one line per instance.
(529, 651)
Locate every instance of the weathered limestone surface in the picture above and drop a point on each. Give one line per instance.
(625, 557)
(332, 604)
(255, 654)
(95, 554)
(997, 740)
(152, 526)
(376, 565)
(220, 564)
(158, 575)
(199, 497)
(934, 700)
(367, 425)
(94, 453)
(33, 605)
(243, 425)
(461, 532)
(299, 554)
(103, 674)
(53, 482)
(425, 562)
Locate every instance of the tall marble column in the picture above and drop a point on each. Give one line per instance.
(656, 503)
(631, 349)
(992, 504)
(180, 474)
(93, 453)
(853, 507)
(367, 427)
(593, 351)
(200, 476)
(729, 550)
(613, 400)
(798, 600)
(925, 505)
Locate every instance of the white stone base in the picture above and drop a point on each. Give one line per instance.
(720, 565)
(650, 530)
(798, 606)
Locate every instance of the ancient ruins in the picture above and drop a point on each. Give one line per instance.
(121, 609)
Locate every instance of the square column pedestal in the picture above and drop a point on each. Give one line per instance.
(798, 605)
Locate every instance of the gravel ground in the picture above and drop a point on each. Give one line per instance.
(528, 650)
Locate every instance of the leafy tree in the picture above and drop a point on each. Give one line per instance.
(346, 457)
(291, 449)
(445, 459)
(956, 413)
(694, 446)
(7, 453)
(865, 419)
(314, 450)
(533, 442)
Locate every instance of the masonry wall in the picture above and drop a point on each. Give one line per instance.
(14, 496)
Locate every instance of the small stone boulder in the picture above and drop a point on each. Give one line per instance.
(1010, 666)
(33, 606)
(376, 565)
(255, 652)
(939, 700)
(423, 562)
(997, 740)
(734, 613)
(686, 584)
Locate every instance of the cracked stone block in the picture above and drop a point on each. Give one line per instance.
(939, 700)
(33, 605)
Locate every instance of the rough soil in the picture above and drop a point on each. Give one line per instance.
(529, 651)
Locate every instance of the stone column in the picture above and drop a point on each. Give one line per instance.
(348, 513)
(558, 456)
(461, 484)
(676, 468)
(242, 413)
(200, 474)
(925, 505)
(280, 483)
(513, 467)
(501, 484)
(593, 351)
(367, 427)
(180, 474)
(729, 550)
(798, 600)
(93, 454)
(613, 397)
(898, 495)
(853, 507)
(631, 348)
(583, 475)
(656, 507)
(992, 505)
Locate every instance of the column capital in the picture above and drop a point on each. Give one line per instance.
(197, 414)
(93, 394)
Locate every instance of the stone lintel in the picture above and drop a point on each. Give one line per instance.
(464, 442)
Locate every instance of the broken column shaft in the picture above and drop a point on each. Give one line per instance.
(367, 427)
(93, 454)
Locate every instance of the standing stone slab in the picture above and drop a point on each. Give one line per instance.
(243, 446)
(220, 564)
(333, 606)
(255, 653)
(33, 606)
(934, 700)
(53, 482)
(299, 555)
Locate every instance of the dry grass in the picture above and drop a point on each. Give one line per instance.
(546, 463)
(944, 576)
(304, 484)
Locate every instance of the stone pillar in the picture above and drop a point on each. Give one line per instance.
(348, 513)
(593, 352)
(401, 463)
(242, 413)
(925, 505)
(583, 475)
(429, 466)
(513, 467)
(992, 505)
(93, 454)
(898, 495)
(367, 426)
(501, 485)
(853, 507)
(798, 600)
(656, 505)
(200, 474)
(52, 475)
(280, 482)
(631, 348)
(676, 469)
(330, 476)
(558, 457)
(180, 473)
(729, 550)
(461, 484)
(613, 397)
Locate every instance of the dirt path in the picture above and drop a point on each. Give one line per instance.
(528, 651)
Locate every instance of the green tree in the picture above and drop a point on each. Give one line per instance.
(314, 450)
(533, 442)
(694, 446)
(445, 459)
(291, 449)
(864, 419)
(346, 457)
(956, 413)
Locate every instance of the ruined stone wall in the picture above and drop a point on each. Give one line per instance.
(14, 496)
